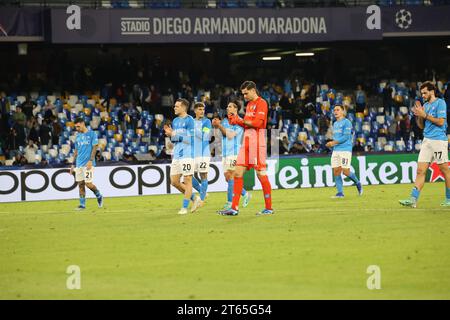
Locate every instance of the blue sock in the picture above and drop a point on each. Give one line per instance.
(244, 192)
(185, 203)
(353, 177)
(193, 197)
(97, 194)
(196, 185)
(339, 183)
(447, 193)
(415, 193)
(83, 201)
(204, 189)
(230, 190)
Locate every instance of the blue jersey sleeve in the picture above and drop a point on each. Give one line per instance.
(94, 138)
(441, 111)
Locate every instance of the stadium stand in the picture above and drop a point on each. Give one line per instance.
(40, 126)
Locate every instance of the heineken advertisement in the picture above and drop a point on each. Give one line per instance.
(316, 172)
(153, 179)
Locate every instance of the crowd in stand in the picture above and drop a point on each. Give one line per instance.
(37, 128)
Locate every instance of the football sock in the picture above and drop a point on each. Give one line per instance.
(267, 191)
(244, 192)
(204, 188)
(82, 201)
(230, 190)
(447, 193)
(196, 185)
(185, 203)
(415, 193)
(237, 190)
(339, 183)
(97, 193)
(353, 177)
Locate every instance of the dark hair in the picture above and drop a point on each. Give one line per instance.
(199, 105)
(430, 86)
(340, 106)
(237, 103)
(184, 102)
(248, 85)
(79, 120)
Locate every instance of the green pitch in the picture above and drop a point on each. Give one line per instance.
(314, 247)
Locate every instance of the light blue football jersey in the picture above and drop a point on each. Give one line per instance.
(84, 143)
(183, 138)
(230, 147)
(202, 137)
(436, 109)
(342, 132)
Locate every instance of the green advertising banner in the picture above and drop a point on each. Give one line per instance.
(316, 172)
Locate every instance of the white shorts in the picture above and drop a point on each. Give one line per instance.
(83, 174)
(229, 163)
(184, 167)
(341, 159)
(202, 164)
(433, 150)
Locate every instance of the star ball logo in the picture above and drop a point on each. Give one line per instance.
(403, 19)
(436, 173)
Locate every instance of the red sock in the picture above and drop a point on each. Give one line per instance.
(237, 190)
(267, 191)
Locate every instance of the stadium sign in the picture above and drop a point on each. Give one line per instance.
(404, 21)
(284, 173)
(198, 26)
(316, 172)
(113, 181)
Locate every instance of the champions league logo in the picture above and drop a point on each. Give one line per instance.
(403, 19)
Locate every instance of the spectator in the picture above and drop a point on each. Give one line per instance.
(393, 128)
(163, 155)
(27, 108)
(413, 93)
(56, 130)
(134, 117)
(19, 117)
(298, 148)
(30, 152)
(49, 111)
(156, 132)
(18, 136)
(358, 147)
(405, 127)
(33, 130)
(121, 114)
(284, 146)
(19, 160)
(360, 99)
(129, 157)
(45, 133)
(152, 155)
(418, 133)
(388, 102)
(274, 116)
(323, 124)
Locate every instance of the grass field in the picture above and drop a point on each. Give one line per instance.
(314, 247)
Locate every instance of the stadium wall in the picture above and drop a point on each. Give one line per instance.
(135, 180)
